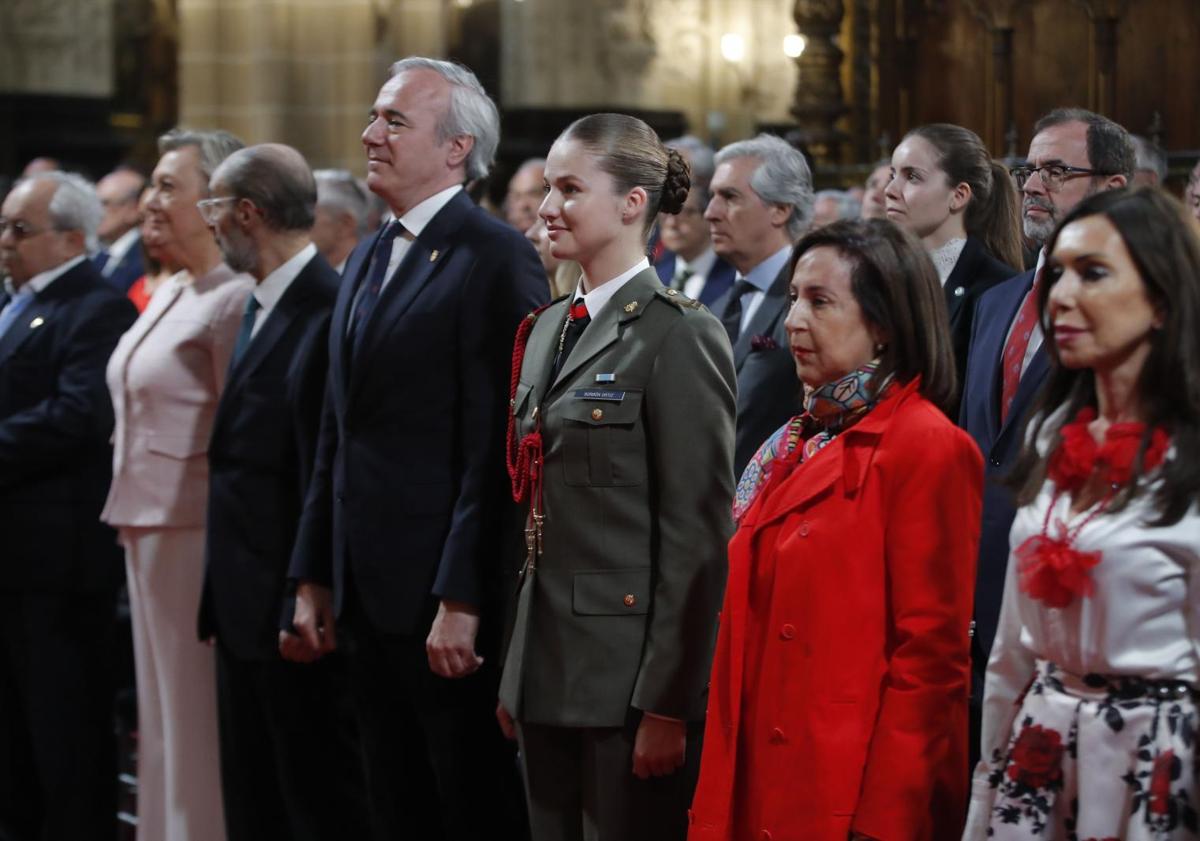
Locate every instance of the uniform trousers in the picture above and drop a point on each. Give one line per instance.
(58, 768)
(581, 786)
(179, 786)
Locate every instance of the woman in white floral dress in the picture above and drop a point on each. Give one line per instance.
(1089, 722)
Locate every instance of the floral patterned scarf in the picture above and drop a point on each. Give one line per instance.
(828, 411)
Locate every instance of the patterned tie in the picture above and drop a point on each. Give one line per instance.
(577, 322)
(10, 313)
(1018, 343)
(732, 317)
(247, 331)
(368, 295)
(682, 277)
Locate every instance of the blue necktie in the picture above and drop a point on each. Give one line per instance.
(247, 331)
(372, 285)
(16, 306)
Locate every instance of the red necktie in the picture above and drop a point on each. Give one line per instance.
(1018, 343)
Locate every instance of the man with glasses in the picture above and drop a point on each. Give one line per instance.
(1074, 153)
(58, 324)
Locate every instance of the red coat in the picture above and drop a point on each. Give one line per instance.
(861, 696)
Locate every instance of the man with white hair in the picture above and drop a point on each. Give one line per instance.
(761, 203)
(59, 322)
(406, 524)
(341, 216)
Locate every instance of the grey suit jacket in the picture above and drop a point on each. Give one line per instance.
(769, 392)
(620, 609)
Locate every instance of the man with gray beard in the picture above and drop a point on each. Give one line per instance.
(290, 767)
(1074, 153)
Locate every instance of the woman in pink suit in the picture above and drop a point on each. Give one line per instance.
(838, 701)
(166, 376)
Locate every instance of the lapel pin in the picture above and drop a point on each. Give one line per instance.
(631, 306)
(606, 378)
(959, 291)
(37, 322)
(433, 256)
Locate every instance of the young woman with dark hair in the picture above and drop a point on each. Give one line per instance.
(838, 701)
(963, 206)
(1089, 718)
(621, 446)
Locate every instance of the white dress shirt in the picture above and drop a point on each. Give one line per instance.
(118, 250)
(602, 294)
(277, 282)
(414, 222)
(761, 277)
(699, 267)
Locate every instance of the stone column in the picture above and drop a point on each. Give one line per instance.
(818, 103)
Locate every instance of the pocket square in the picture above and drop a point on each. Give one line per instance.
(763, 342)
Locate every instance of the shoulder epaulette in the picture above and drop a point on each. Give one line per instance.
(678, 299)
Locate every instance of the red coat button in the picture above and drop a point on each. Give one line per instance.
(787, 631)
(777, 736)
(765, 835)
(804, 529)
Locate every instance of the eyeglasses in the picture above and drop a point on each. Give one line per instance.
(1053, 175)
(21, 230)
(209, 207)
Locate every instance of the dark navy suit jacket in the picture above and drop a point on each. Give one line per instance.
(716, 284)
(975, 272)
(410, 499)
(128, 269)
(1000, 444)
(264, 440)
(56, 420)
(769, 391)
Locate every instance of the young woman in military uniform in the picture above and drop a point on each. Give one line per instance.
(621, 446)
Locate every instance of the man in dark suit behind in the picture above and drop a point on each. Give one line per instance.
(761, 204)
(1073, 154)
(120, 257)
(59, 322)
(282, 724)
(407, 518)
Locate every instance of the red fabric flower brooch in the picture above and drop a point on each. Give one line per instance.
(1051, 569)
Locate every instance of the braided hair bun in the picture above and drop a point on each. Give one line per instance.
(677, 183)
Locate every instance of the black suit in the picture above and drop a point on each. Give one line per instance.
(61, 566)
(289, 761)
(409, 505)
(976, 272)
(127, 270)
(769, 391)
(1000, 443)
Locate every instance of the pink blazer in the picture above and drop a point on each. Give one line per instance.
(165, 377)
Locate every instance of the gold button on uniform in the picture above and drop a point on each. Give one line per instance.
(597, 414)
(629, 600)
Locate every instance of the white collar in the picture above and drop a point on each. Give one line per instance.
(416, 219)
(701, 265)
(40, 281)
(277, 282)
(945, 257)
(602, 294)
(123, 243)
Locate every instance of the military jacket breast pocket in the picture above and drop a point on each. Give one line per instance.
(604, 442)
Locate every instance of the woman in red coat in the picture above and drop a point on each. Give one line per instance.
(838, 702)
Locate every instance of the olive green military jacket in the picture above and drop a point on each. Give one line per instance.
(620, 608)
